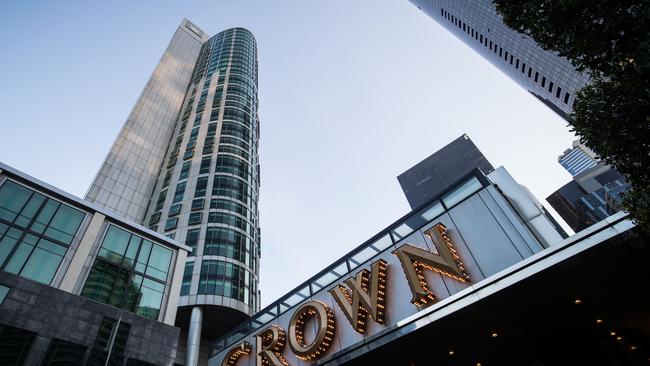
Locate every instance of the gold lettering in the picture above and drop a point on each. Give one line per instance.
(269, 346)
(235, 353)
(368, 295)
(324, 335)
(415, 260)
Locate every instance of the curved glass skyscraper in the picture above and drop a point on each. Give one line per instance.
(207, 192)
(202, 144)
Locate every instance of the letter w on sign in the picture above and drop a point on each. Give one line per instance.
(366, 294)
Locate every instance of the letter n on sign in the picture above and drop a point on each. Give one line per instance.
(415, 260)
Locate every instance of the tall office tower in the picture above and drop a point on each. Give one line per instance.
(594, 193)
(444, 168)
(203, 191)
(577, 159)
(127, 177)
(552, 79)
(448, 166)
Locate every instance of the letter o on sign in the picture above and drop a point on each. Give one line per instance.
(324, 332)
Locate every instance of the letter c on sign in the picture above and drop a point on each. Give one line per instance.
(324, 331)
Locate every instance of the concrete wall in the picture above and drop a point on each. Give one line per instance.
(52, 313)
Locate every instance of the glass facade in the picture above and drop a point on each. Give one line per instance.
(584, 200)
(130, 273)
(214, 159)
(550, 78)
(35, 232)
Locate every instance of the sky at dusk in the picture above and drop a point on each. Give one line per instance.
(352, 93)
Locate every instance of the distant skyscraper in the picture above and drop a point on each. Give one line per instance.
(593, 194)
(552, 79)
(185, 164)
(578, 159)
(442, 169)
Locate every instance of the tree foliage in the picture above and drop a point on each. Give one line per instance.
(610, 40)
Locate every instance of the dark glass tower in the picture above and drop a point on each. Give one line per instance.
(443, 169)
(550, 78)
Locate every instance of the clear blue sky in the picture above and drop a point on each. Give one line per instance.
(352, 93)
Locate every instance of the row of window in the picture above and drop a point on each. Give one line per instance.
(129, 272)
(35, 232)
(223, 241)
(225, 279)
(508, 57)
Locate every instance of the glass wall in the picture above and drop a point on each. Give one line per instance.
(225, 279)
(35, 232)
(130, 273)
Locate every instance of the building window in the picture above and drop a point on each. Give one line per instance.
(174, 209)
(550, 86)
(172, 162)
(188, 154)
(35, 232)
(180, 191)
(62, 352)
(536, 76)
(224, 279)
(566, 98)
(201, 187)
(130, 273)
(161, 200)
(155, 217)
(168, 177)
(198, 204)
(187, 278)
(205, 165)
(191, 240)
(111, 340)
(227, 242)
(15, 344)
(171, 223)
(185, 170)
(4, 291)
(543, 81)
(558, 92)
(195, 218)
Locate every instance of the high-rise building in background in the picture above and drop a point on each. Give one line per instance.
(444, 168)
(185, 164)
(577, 159)
(447, 167)
(594, 193)
(550, 78)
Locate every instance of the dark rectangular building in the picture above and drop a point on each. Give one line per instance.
(445, 167)
(592, 196)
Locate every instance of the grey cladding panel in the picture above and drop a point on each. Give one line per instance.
(488, 243)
